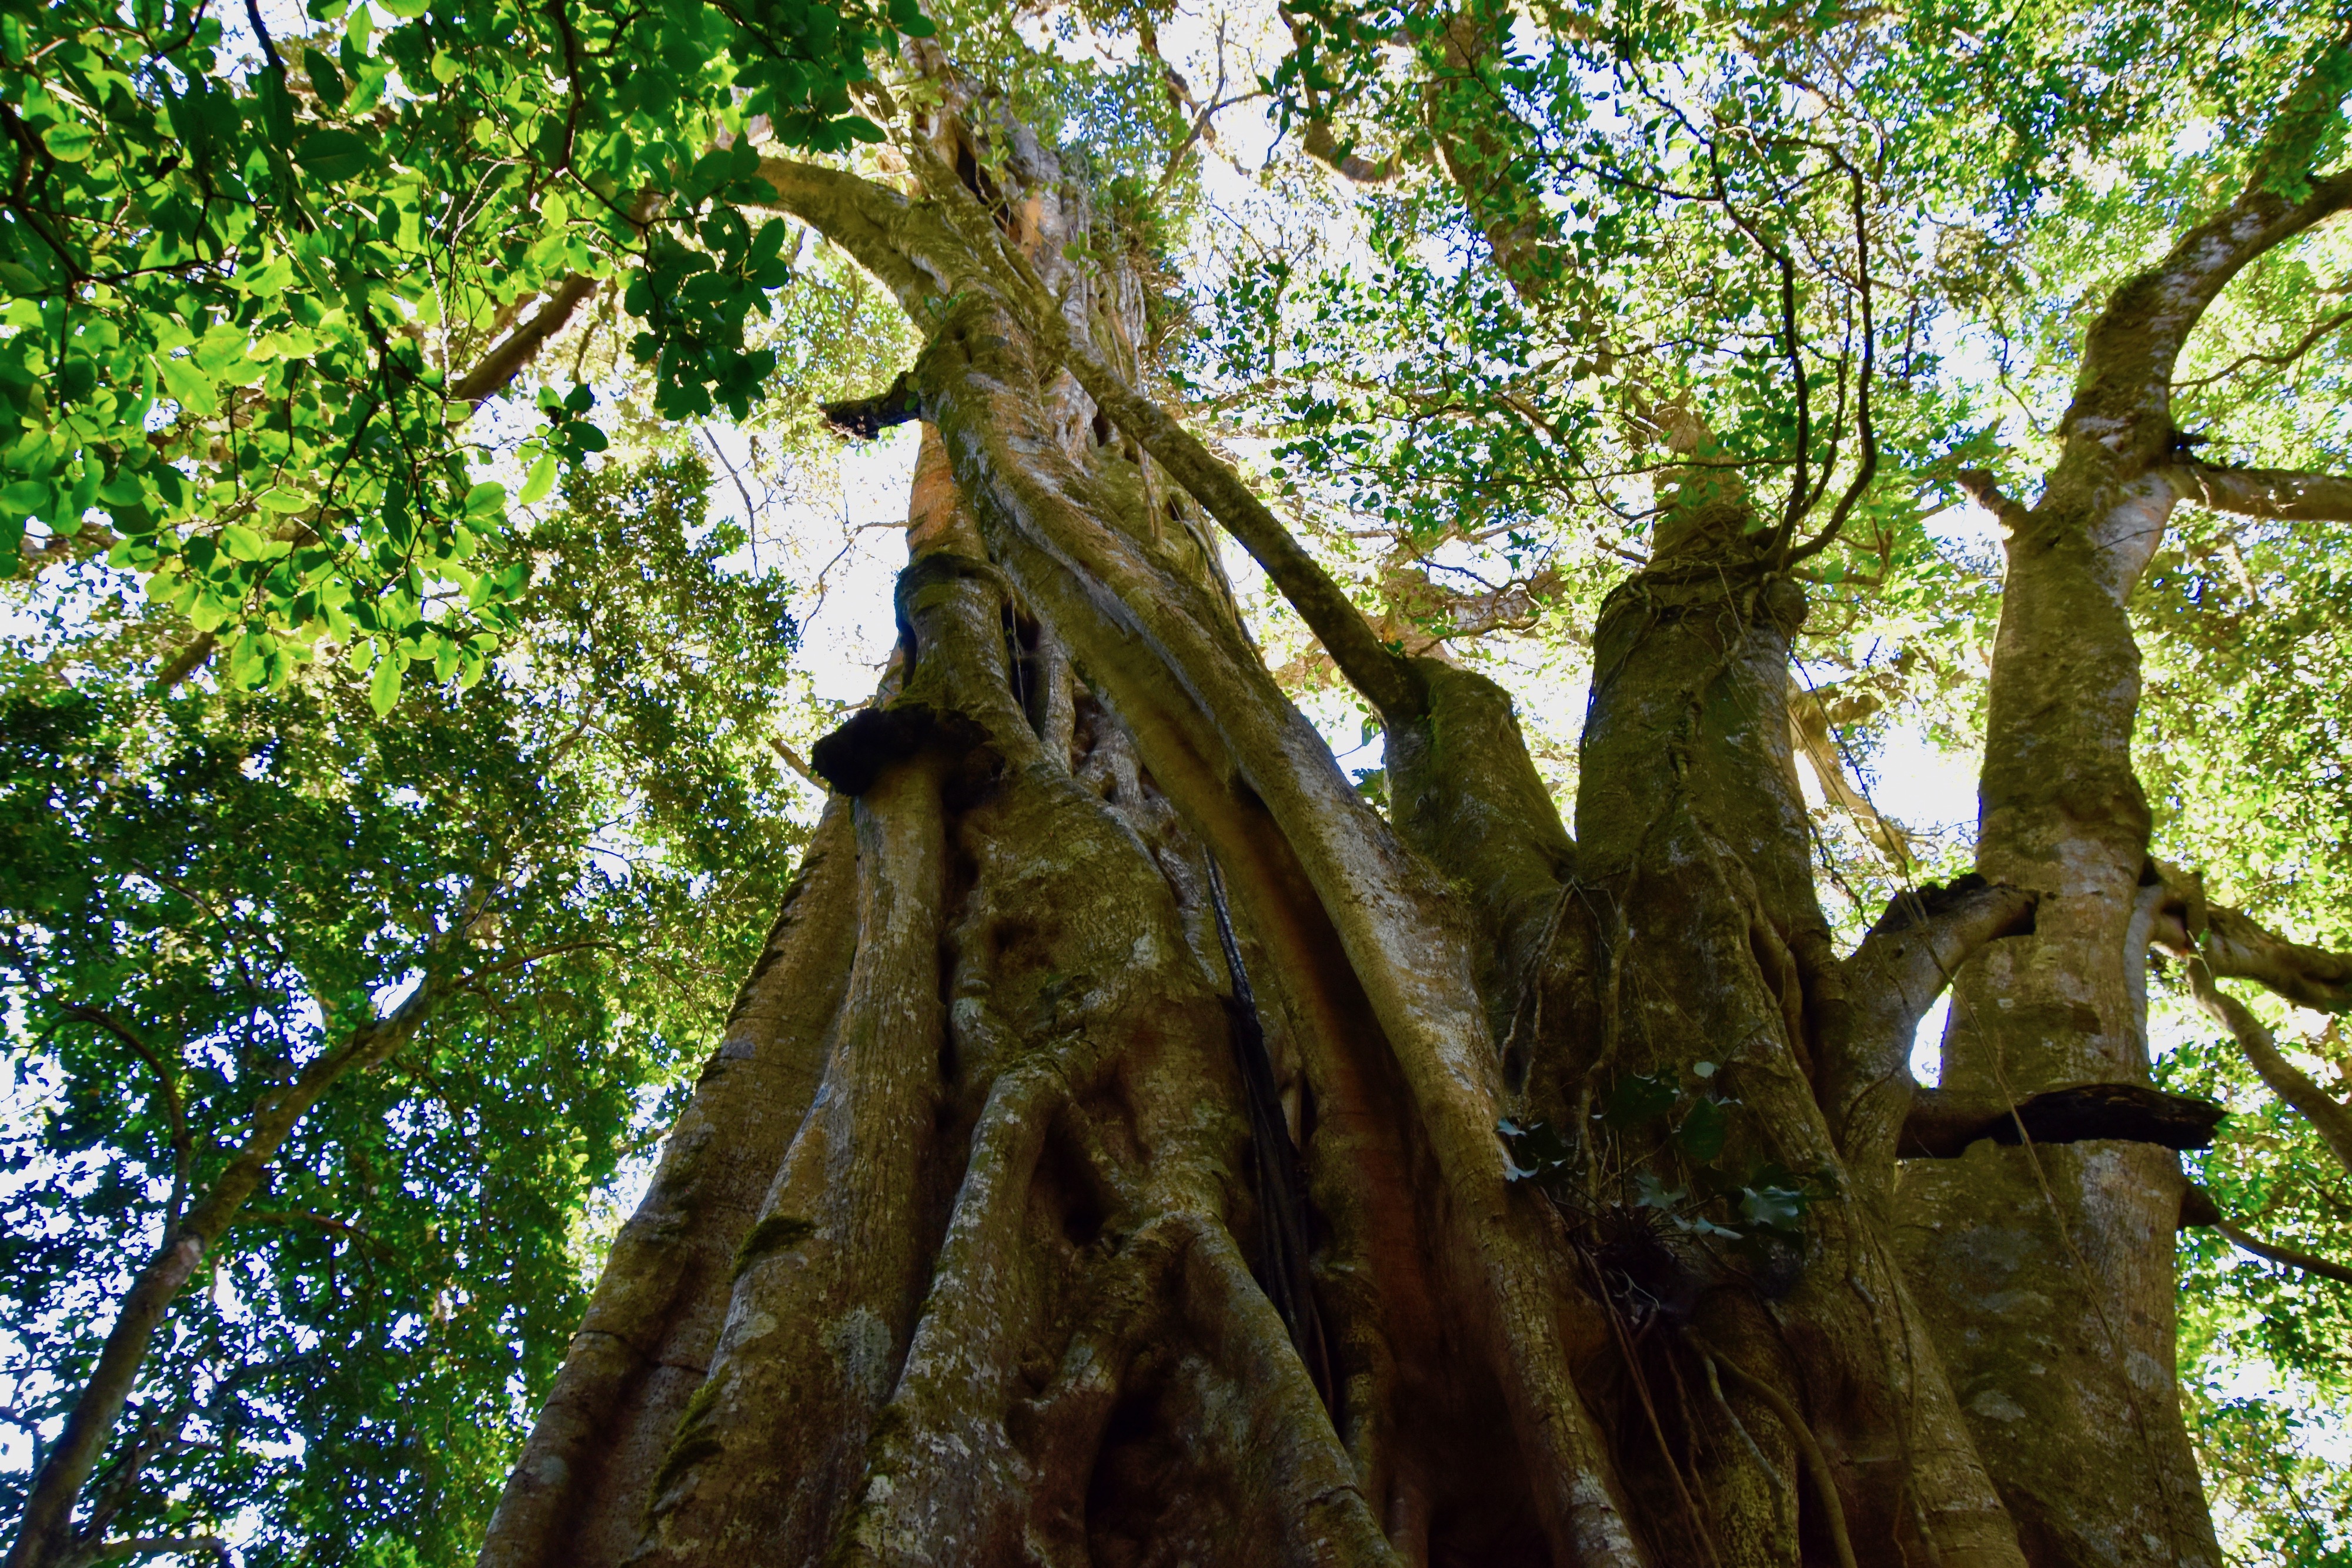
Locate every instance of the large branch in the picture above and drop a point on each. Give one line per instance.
(2280, 495)
(1921, 941)
(910, 248)
(2331, 1116)
(508, 358)
(2235, 947)
(2121, 412)
(1382, 675)
(927, 252)
(2198, 1208)
(1894, 978)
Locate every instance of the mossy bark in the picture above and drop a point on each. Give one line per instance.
(1025, 1281)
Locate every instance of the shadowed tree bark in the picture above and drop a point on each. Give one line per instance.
(1135, 1149)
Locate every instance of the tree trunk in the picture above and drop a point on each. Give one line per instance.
(1134, 1149)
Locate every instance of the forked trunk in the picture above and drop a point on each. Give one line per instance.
(1133, 1149)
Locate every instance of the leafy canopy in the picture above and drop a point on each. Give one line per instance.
(255, 288)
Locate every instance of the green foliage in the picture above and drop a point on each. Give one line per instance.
(1678, 1128)
(203, 891)
(242, 301)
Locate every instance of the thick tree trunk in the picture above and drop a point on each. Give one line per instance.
(1107, 1150)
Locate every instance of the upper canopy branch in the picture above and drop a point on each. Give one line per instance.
(917, 256)
(2281, 495)
(2121, 410)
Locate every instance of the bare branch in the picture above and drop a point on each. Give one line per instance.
(2280, 495)
(2293, 1257)
(1809, 725)
(506, 360)
(2303, 346)
(2198, 1209)
(1985, 492)
(2235, 947)
(2331, 1117)
(864, 418)
(796, 762)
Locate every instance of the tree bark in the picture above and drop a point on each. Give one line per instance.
(1135, 1183)
(2048, 1270)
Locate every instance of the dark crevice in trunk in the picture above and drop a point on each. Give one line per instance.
(1285, 1223)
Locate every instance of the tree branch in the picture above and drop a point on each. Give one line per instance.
(864, 418)
(1921, 941)
(796, 762)
(1322, 144)
(2293, 1257)
(2121, 412)
(1382, 675)
(45, 1531)
(883, 232)
(2235, 947)
(508, 358)
(1985, 492)
(2198, 1209)
(182, 665)
(2280, 495)
(1941, 1125)
(2330, 1116)
(925, 263)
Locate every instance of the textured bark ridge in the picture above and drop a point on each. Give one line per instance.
(1135, 1150)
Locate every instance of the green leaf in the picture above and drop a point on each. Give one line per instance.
(487, 499)
(1705, 1127)
(68, 142)
(1774, 1207)
(539, 481)
(325, 80)
(282, 498)
(251, 658)
(277, 105)
(383, 688)
(334, 156)
(1639, 1098)
(242, 544)
(1651, 1193)
(33, 495)
(1537, 1149)
(190, 388)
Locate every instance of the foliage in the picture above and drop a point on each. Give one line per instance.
(254, 286)
(205, 890)
(250, 285)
